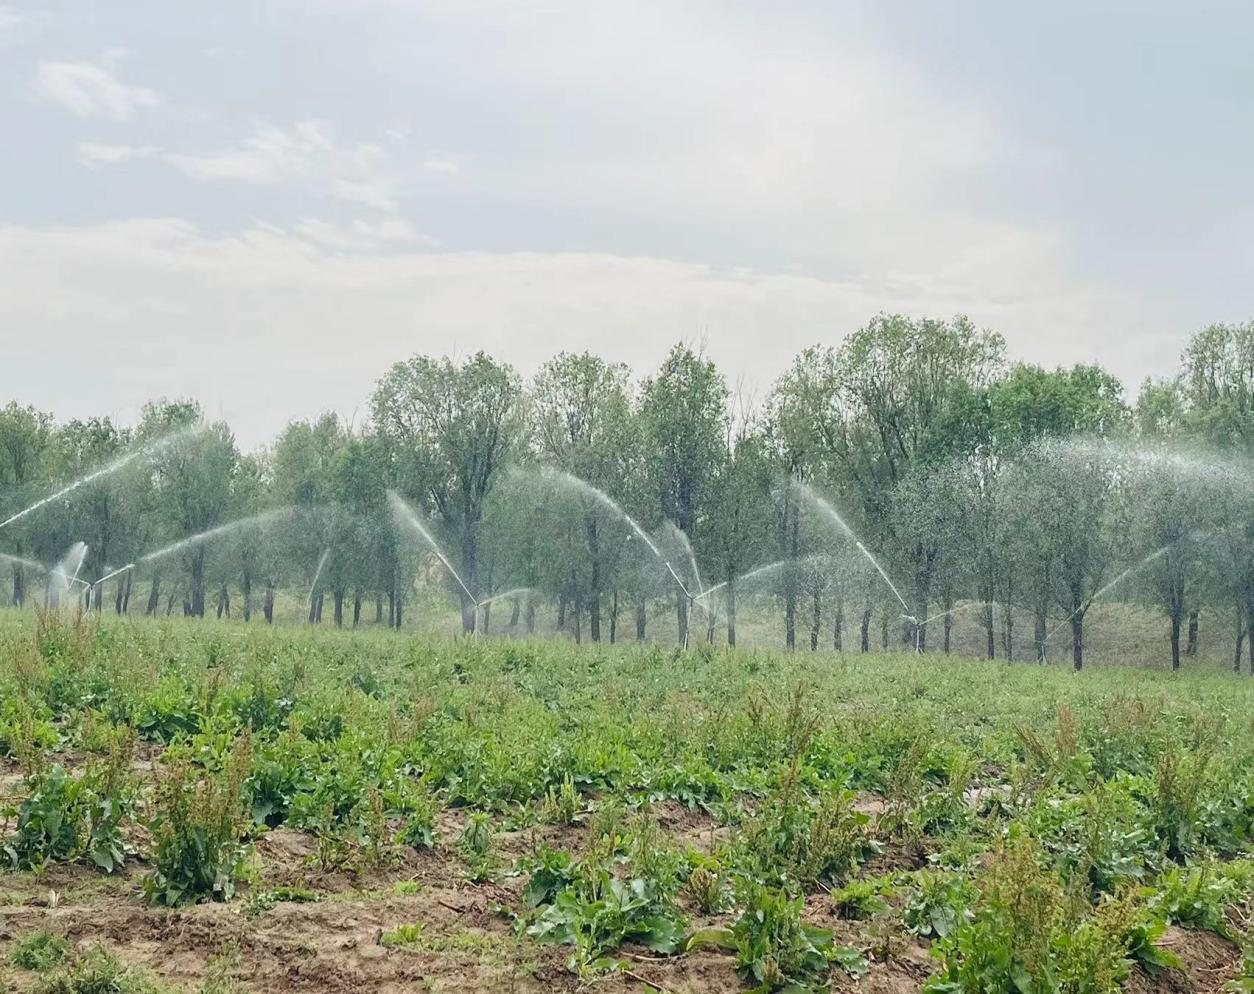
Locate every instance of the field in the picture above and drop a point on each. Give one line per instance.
(204, 806)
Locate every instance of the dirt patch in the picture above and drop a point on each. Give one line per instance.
(1209, 961)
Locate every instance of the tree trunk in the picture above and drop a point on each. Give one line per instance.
(247, 591)
(614, 617)
(731, 611)
(884, 632)
(392, 605)
(198, 584)
(267, 603)
(126, 593)
(1249, 623)
(991, 628)
(154, 595)
(1039, 631)
(338, 597)
(792, 530)
(865, 643)
(577, 610)
(356, 608)
(378, 607)
(1236, 657)
(531, 616)
(487, 617)
(838, 624)
(514, 611)
(1191, 647)
(19, 585)
(561, 611)
(1176, 609)
(470, 574)
(1175, 636)
(642, 618)
(1077, 640)
(400, 610)
(681, 614)
(594, 582)
(816, 619)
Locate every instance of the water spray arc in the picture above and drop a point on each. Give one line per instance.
(313, 587)
(832, 513)
(211, 533)
(408, 515)
(1156, 554)
(112, 467)
(574, 483)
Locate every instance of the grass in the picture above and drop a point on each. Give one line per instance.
(900, 796)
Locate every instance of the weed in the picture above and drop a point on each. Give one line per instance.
(403, 936)
(597, 912)
(561, 806)
(197, 852)
(478, 847)
(39, 951)
(774, 948)
(98, 972)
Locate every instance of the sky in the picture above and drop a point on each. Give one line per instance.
(263, 204)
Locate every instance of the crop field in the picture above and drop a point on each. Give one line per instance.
(197, 806)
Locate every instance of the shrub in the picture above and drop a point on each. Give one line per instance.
(774, 948)
(49, 823)
(196, 831)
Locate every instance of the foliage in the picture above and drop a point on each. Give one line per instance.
(39, 951)
(197, 852)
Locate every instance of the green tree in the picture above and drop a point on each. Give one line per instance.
(26, 437)
(581, 416)
(452, 430)
(683, 419)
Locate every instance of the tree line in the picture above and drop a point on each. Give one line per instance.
(975, 483)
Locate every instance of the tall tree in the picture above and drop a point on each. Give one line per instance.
(683, 416)
(455, 427)
(581, 414)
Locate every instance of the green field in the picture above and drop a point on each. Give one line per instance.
(204, 806)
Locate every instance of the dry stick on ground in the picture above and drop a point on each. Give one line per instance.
(646, 981)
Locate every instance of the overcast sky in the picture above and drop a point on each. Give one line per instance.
(264, 203)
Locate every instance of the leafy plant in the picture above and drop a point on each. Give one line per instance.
(859, 900)
(50, 820)
(403, 935)
(197, 827)
(1197, 896)
(939, 904)
(477, 846)
(98, 972)
(597, 912)
(39, 951)
(561, 806)
(775, 950)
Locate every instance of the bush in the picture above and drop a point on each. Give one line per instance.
(196, 831)
(49, 821)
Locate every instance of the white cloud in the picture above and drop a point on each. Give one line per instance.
(273, 323)
(440, 165)
(306, 154)
(90, 90)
